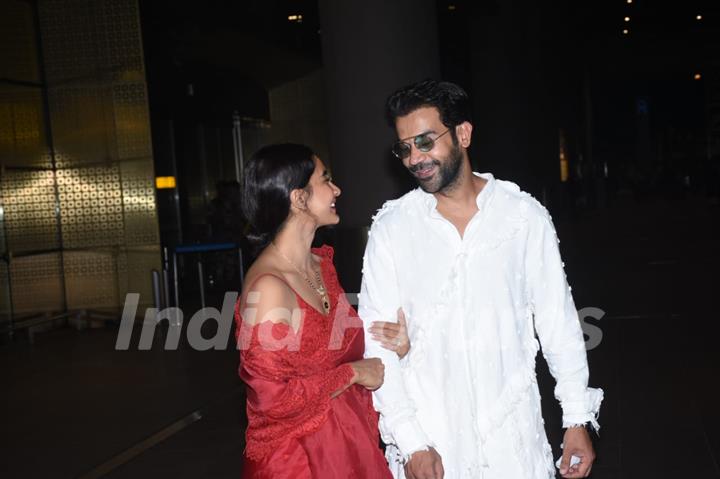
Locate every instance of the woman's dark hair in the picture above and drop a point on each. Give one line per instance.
(270, 175)
(450, 100)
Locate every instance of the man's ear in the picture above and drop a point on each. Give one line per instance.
(298, 199)
(464, 133)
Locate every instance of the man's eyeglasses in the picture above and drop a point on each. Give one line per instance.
(422, 142)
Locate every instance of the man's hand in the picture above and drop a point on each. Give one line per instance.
(425, 465)
(577, 443)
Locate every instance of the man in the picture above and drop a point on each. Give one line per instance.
(474, 264)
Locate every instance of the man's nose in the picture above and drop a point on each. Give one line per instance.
(416, 156)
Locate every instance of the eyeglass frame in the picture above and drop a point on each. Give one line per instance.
(415, 140)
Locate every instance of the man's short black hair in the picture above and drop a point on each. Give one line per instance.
(451, 101)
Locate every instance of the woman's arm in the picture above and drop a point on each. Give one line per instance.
(271, 308)
(392, 336)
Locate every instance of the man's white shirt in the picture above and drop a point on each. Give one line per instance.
(474, 305)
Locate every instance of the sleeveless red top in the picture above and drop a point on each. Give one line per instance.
(295, 429)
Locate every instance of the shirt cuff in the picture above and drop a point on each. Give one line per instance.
(583, 411)
(410, 438)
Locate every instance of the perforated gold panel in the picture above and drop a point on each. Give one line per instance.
(119, 26)
(97, 39)
(131, 121)
(91, 279)
(3, 239)
(5, 307)
(22, 135)
(102, 190)
(28, 202)
(83, 126)
(138, 190)
(91, 206)
(37, 283)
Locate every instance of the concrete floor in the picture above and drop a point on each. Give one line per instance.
(72, 403)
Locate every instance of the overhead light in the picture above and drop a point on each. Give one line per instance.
(697, 76)
(295, 18)
(451, 7)
(627, 19)
(629, 1)
(626, 31)
(699, 17)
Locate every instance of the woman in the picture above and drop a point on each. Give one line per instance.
(309, 404)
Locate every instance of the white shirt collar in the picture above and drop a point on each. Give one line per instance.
(481, 200)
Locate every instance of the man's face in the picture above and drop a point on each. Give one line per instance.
(436, 170)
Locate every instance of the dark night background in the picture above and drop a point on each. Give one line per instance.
(633, 117)
(613, 124)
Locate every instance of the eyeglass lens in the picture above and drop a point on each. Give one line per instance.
(422, 142)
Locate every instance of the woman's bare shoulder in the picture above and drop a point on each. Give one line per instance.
(266, 290)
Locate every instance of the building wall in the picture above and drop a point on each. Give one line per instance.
(79, 226)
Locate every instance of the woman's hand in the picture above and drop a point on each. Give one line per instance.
(369, 373)
(392, 336)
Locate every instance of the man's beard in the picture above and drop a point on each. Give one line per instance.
(447, 174)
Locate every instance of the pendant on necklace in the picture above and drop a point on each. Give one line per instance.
(323, 297)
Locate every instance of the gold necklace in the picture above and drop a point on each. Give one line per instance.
(320, 289)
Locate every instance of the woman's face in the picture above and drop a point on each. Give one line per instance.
(321, 203)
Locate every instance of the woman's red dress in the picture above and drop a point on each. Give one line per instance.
(295, 429)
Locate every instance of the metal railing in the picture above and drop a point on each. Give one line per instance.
(171, 268)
